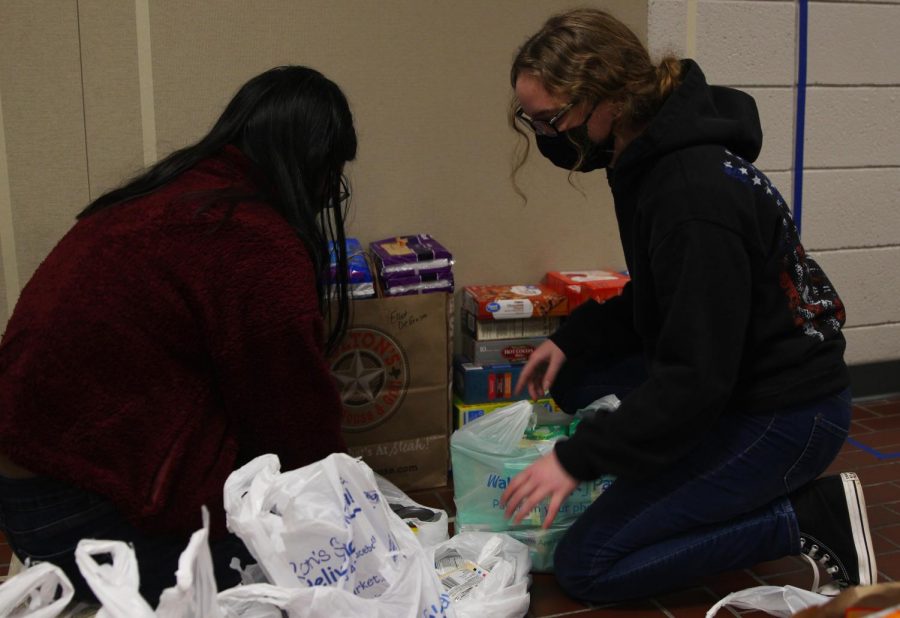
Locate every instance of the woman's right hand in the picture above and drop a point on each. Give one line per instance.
(541, 369)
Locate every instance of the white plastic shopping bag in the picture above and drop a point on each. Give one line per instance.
(781, 601)
(194, 593)
(326, 531)
(114, 583)
(430, 525)
(485, 574)
(33, 592)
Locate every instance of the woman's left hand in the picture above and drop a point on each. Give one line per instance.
(545, 477)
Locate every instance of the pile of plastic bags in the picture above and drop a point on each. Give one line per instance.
(330, 540)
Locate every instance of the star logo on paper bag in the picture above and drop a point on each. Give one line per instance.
(372, 374)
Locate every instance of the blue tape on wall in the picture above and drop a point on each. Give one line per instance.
(799, 124)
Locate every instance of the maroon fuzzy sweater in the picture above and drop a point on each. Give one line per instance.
(159, 347)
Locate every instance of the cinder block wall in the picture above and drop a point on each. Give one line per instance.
(850, 216)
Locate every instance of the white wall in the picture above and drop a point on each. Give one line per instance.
(851, 179)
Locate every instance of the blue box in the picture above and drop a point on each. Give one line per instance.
(487, 383)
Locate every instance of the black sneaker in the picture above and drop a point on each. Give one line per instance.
(834, 528)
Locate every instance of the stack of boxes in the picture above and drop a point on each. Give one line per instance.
(414, 264)
(501, 326)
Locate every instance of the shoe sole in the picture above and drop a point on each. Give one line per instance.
(859, 525)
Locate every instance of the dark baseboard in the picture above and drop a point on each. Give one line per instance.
(873, 379)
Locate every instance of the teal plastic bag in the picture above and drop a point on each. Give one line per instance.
(486, 454)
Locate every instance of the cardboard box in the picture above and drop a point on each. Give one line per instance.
(487, 330)
(511, 302)
(546, 409)
(477, 383)
(579, 286)
(394, 373)
(498, 351)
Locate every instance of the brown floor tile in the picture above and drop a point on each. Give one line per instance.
(548, 599)
(880, 423)
(849, 462)
(884, 407)
(888, 566)
(861, 413)
(880, 516)
(889, 533)
(882, 493)
(880, 473)
(859, 431)
(877, 439)
(692, 603)
(856, 458)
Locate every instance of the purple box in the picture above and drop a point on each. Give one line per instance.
(422, 283)
(414, 254)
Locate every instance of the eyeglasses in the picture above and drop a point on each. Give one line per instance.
(546, 128)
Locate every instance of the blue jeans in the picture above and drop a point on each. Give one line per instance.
(722, 507)
(43, 520)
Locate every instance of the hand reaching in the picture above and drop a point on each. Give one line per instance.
(545, 477)
(541, 369)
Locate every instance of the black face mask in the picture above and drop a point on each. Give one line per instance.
(563, 153)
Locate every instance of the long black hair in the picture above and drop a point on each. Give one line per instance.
(295, 125)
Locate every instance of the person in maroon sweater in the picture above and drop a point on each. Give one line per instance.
(176, 332)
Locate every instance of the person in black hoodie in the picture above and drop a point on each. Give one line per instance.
(725, 348)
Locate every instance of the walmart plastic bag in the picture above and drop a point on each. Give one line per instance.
(781, 601)
(485, 574)
(326, 531)
(40, 591)
(487, 453)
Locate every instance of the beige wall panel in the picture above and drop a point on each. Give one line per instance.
(667, 27)
(746, 43)
(867, 49)
(852, 127)
(851, 208)
(428, 85)
(872, 344)
(40, 82)
(867, 280)
(112, 106)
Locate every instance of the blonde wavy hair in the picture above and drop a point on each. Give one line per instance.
(589, 55)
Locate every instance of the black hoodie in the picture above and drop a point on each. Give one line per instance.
(731, 314)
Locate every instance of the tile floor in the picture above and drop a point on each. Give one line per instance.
(873, 452)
